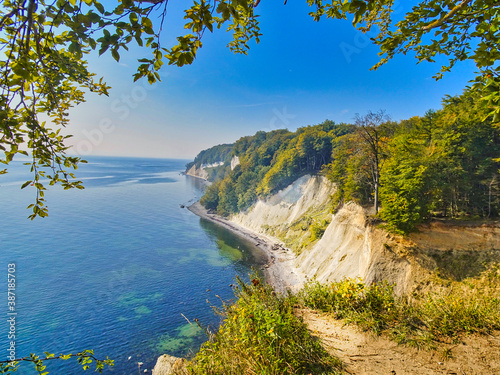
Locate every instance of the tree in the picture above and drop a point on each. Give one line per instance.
(405, 182)
(372, 133)
(459, 30)
(43, 69)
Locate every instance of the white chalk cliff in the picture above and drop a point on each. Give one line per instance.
(288, 205)
(350, 246)
(197, 172)
(201, 172)
(234, 162)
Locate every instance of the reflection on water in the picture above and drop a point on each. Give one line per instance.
(118, 267)
(233, 247)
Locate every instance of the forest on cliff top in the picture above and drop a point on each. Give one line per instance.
(443, 164)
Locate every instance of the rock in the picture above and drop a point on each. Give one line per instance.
(234, 162)
(169, 365)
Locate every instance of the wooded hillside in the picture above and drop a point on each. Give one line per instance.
(445, 163)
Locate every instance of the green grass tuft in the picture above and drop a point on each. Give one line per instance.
(261, 335)
(471, 306)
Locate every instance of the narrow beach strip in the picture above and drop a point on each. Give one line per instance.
(279, 270)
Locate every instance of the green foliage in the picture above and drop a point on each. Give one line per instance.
(405, 191)
(445, 164)
(358, 159)
(213, 155)
(373, 307)
(271, 161)
(228, 200)
(318, 228)
(210, 199)
(261, 335)
(465, 30)
(347, 172)
(85, 359)
(44, 68)
(423, 320)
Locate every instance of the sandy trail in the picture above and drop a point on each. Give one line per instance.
(363, 353)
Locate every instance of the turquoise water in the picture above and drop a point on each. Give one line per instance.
(118, 267)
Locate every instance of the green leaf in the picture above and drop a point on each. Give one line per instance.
(115, 54)
(99, 7)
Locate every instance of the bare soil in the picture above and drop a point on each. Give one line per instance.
(365, 353)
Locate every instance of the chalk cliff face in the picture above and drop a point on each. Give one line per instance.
(307, 194)
(349, 247)
(353, 247)
(197, 172)
(234, 162)
(201, 172)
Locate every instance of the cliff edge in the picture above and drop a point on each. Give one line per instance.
(351, 246)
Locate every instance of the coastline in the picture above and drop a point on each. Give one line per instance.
(279, 271)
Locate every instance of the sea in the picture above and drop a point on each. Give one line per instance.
(120, 267)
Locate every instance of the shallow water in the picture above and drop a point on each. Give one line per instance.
(118, 267)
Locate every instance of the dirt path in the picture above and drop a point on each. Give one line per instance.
(363, 353)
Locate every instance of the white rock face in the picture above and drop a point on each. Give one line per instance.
(349, 246)
(197, 172)
(234, 162)
(169, 365)
(289, 204)
(201, 172)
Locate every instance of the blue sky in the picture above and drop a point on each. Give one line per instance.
(301, 73)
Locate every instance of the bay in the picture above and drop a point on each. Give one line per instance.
(119, 267)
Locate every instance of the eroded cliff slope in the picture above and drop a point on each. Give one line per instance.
(351, 246)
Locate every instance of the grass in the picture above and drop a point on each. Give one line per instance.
(470, 306)
(261, 335)
(304, 232)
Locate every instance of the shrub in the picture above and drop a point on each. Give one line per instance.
(261, 335)
(471, 306)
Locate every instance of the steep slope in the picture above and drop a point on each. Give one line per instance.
(349, 247)
(197, 172)
(288, 214)
(202, 170)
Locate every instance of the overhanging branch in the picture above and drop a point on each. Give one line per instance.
(450, 14)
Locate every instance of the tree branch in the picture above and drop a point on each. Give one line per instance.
(31, 8)
(8, 15)
(450, 14)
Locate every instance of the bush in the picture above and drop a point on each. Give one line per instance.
(471, 306)
(371, 307)
(261, 335)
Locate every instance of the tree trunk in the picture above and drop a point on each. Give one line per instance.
(376, 180)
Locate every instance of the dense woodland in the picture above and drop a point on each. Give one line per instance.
(443, 164)
(216, 154)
